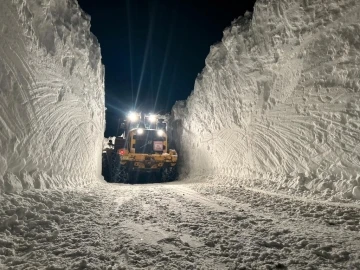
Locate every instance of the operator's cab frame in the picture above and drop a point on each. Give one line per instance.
(149, 123)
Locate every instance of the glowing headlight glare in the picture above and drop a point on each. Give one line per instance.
(160, 133)
(133, 117)
(140, 131)
(152, 118)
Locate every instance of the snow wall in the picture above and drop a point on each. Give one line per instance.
(277, 104)
(51, 96)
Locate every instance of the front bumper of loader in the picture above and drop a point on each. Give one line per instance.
(148, 163)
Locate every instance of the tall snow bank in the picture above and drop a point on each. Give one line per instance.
(51, 96)
(278, 101)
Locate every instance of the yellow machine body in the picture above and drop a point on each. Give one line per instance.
(154, 161)
(143, 146)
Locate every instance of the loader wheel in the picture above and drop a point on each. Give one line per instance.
(121, 174)
(118, 172)
(114, 163)
(105, 167)
(168, 174)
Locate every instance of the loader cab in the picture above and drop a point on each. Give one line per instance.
(147, 141)
(161, 125)
(143, 134)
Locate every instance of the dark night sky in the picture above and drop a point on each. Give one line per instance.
(155, 48)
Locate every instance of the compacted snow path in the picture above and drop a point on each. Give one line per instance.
(174, 226)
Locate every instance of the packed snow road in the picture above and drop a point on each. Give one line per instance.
(174, 226)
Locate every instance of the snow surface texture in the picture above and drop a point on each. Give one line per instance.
(51, 96)
(170, 226)
(278, 100)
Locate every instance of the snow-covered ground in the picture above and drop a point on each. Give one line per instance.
(174, 226)
(51, 96)
(277, 105)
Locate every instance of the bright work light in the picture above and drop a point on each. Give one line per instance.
(133, 117)
(160, 133)
(152, 118)
(140, 131)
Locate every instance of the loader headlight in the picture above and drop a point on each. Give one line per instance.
(160, 133)
(152, 118)
(140, 131)
(133, 117)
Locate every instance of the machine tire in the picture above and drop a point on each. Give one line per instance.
(105, 167)
(118, 172)
(113, 162)
(168, 174)
(121, 174)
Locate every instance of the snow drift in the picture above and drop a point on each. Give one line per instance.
(51, 96)
(277, 103)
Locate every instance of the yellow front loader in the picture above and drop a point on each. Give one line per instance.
(143, 147)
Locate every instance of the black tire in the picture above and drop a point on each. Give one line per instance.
(105, 167)
(168, 174)
(123, 174)
(119, 173)
(114, 163)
